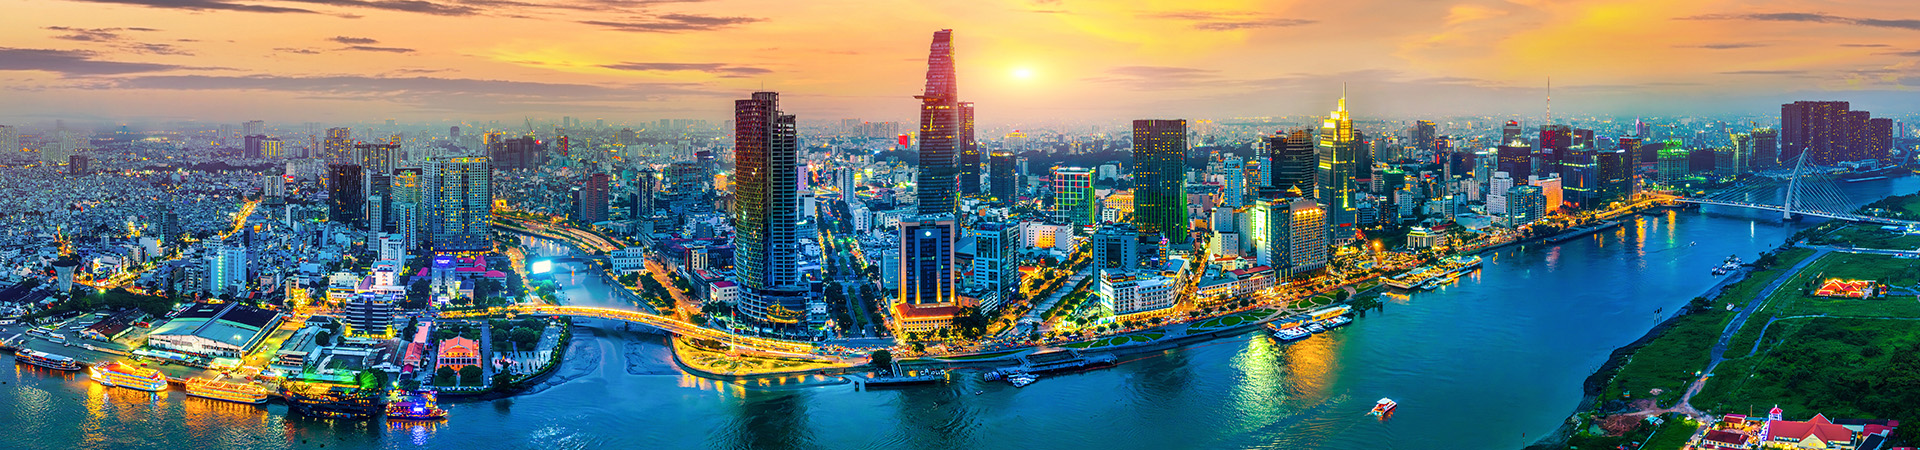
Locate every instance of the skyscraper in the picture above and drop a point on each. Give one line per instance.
(1339, 156)
(338, 144)
(591, 206)
(996, 247)
(459, 198)
(1159, 178)
(346, 201)
(518, 153)
(9, 140)
(1073, 196)
(940, 128)
(969, 153)
(1829, 133)
(1306, 244)
(1293, 162)
(1766, 148)
(1516, 159)
(1423, 135)
(408, 206)
(1001, 179)
(646, 182)
(1233, 184)
(927, 273)
(767, 241)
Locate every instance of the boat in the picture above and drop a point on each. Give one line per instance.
(208, 388)
(1732, 263)
(1383, 408)
(1338, 321)
(416, 405)
(1315, 327)
(47, 360)
(332, 400)
(128, 376)
(1021, 380)
(1290, 334)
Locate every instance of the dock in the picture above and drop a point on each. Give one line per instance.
(1053, 362)
(1582, 231)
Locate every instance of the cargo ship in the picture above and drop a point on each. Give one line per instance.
(129, 376)
(47, 360)
(416, 405)
(248, 393)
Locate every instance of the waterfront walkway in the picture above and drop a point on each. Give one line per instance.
(1718, 353)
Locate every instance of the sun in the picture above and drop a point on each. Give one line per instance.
(1022, 73)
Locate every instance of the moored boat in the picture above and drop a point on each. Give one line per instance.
(128, 376)
(1021, 380)
(47, 360)
(227, 391)
(1290, 334)
(417, 405)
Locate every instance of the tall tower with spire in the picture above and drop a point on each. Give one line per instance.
(940, 140)
(1339, 152)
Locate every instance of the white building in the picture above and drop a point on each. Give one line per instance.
(629, 260)
(1136, 294)
(1549, 187)
(1497, 193)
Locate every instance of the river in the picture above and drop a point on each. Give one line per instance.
(1490, 362)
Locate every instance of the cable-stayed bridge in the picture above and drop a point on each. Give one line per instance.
(1802, 193)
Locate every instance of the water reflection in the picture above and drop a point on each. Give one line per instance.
(766, 420)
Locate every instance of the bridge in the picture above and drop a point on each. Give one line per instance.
(671, 325)
(1801, 193)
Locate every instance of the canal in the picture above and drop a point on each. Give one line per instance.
(1490, 362)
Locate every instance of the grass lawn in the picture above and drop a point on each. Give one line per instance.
(1670, 361)
(1840, 367)
(1135, 338)
(1869, 236)
(1794, 298)
(1672, 436)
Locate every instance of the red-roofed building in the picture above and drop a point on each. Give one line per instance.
(457, 352)
(924, 318)
(1724, 440)
(1817, 432)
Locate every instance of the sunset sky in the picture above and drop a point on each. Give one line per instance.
(1020, 60)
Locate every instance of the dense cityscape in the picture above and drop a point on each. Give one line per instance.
(770, 279)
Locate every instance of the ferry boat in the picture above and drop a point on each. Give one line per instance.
(1315, 327)
(248, 393)
(47, 360)
(1383, 408)
(1338, 321)
(1021, 380)
(417, 405)
(128, 376)
(1290, 334)
(331, 400)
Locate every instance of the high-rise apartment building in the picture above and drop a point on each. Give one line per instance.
(767, 189)
(1830, 132)
(1424, 135)
(524, 152)
(591, 205)
(996, 250)
(1159, 178)
(338, 144)
(408, 206)
(1293, 163)
(346, 199)
(459, 198)
(940, 127)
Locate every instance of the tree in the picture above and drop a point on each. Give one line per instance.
(524, 337)
(444, 376)
(372, 380)
(470, 374)
(418, 294)
(882, 360)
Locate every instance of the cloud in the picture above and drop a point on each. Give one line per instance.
(1905, 24)
(416, 87)
(713, 68)
(1865, 45)
(112, 38)
(1724, 46)
(1460, 14)
(1228, 20)
(353, 40)
(205, 5)
(413, 6)
(369, 48)
(1765, 72)
(1157, 77)
(301, 51)
(71, 62)
(1904, 53)
(674, 23)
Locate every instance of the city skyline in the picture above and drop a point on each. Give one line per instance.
(1024, 61)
